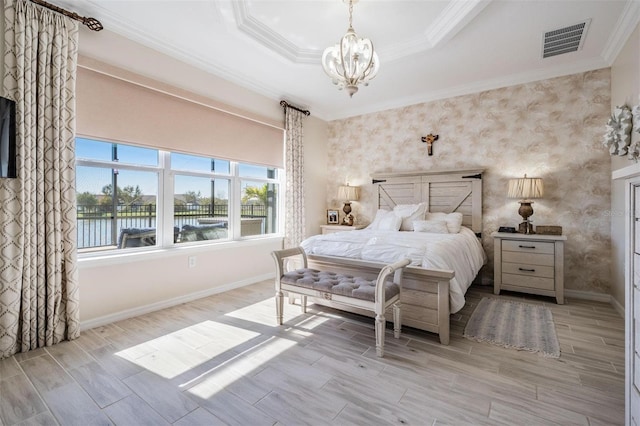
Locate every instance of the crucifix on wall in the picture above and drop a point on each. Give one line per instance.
(429, 140)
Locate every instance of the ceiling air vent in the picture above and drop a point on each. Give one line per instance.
(564, 40)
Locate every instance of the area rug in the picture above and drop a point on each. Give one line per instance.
(515, 325)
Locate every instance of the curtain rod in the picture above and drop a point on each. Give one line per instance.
(285, 104)
(92, 23)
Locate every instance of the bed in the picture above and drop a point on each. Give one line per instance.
(442, 266)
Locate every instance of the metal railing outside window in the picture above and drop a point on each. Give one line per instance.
(95, 221)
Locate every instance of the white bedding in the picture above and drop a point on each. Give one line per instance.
(461, 252)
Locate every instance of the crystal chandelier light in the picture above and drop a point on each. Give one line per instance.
(352, 61)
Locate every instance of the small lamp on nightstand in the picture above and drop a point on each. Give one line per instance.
(526, 189)
(347, 194)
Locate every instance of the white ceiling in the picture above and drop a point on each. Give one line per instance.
(428, 49)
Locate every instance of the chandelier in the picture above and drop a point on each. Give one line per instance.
(352, 61)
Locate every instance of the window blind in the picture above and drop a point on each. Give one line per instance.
(114, 109)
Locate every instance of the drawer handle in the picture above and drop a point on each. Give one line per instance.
(530, 247)
(526, 270)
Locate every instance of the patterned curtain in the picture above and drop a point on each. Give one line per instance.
(39, 291)
(294, 163)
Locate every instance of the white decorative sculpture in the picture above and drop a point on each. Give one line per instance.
(634, 147)
(618, 135)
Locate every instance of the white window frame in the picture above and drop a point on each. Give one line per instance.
(165, 195)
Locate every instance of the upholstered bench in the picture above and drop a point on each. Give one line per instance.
(374, 295)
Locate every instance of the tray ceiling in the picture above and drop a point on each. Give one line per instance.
(428, 49)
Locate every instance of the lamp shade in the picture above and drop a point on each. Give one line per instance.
(526, 188)
(348, 193)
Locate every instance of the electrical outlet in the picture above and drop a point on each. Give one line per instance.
(192, 261)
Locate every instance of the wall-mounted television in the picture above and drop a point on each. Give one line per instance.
(7, 138)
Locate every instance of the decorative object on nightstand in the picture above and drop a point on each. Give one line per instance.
(330, 229)
(525, 189)
(332, 217)
(347, 194)
(529, 263)
(549, 230)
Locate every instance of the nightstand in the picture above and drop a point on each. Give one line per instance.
(330, 229)
(529, 264)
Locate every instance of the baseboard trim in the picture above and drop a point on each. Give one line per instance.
(141, 310)
(598, 297)
(617, 306)
(588, 295)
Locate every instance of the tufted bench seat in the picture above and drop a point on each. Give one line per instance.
(334, 283)
(375, 295)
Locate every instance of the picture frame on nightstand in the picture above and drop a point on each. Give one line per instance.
(332, 217)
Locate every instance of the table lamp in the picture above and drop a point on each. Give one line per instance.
(347, 194)
(525, 189)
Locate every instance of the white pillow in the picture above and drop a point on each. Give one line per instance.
(386, 220)
(390, 222)
(409, 213)
(431, 226)
(376, 220)
(454, 220)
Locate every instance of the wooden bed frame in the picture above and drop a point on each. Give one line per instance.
(425, 294)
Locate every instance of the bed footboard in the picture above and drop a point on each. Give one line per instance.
(425, 294)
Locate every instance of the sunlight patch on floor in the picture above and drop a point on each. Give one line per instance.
(312, 322)
(264, 313)
(226, 373)
(178, 352)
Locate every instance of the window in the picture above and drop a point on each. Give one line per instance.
(132, 197)
(201, 197)
(259, 199)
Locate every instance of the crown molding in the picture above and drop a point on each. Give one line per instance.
(269, 38)
(468, 89)
(453, 18)
(622, 31)
(449, 22)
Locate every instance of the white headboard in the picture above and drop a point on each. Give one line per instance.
(443, 190)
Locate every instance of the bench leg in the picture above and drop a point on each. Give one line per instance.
(279, 300)
(380, 326)
(397, 320)
(303, 303)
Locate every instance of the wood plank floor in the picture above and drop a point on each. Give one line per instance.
(223, 361)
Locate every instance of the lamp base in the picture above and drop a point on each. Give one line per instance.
(525, 211)
(526, 228)
(348, 217)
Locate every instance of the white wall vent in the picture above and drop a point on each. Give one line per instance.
(564, 40)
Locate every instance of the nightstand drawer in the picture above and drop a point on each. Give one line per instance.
(527, 258)
(528, 246)
(528, 270)
(528, 282)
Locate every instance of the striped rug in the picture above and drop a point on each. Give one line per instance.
(515, 325)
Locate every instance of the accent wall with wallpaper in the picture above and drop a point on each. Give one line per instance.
(550, 129)
(625, 89)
